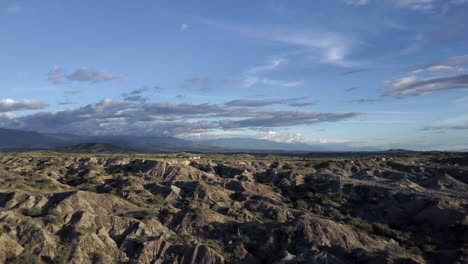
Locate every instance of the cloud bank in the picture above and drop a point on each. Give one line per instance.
(110, 117)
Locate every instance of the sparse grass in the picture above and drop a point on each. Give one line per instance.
(288, 231)
(53, 217)
(86, 230)
(44, 184)
(59, 260)
(33, 212)
(385, 230)
(27, 257)
(359, 223)
(143, 215)
(354, 221)
(335, 214)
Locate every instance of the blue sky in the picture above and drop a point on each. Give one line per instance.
(356, 73)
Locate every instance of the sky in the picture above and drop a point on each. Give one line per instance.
(357, 73)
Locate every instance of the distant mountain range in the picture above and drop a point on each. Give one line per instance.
(18, 140)
(94, 148)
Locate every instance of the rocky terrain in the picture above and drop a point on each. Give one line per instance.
(71, 209)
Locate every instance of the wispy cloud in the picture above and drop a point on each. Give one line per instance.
(256, 75)
(93, 75)
(9, 105)
(365, 100)
(201, 83)
(414, 86)
(259, 103)
(287, 118)
(415, 4)
(455, 123)
(356, 2)
(326, 47)
(411, 4)
(57, 75)
(351, 89)
(352, 72)
(14, 9)
(449, 64)
(140, 94)
(65, 101)
(461, 101)
(303, 104)
(183, 27)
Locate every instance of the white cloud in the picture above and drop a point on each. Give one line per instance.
(280, 137)
(183, 27)
(334, 141)
(8, 105)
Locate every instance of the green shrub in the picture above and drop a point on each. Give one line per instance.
(59, 260)
(335, 214)
(428, 248)
(309, 196)
(359, 223)
(301, 205)
(43, 183)
(140, 240)
(98, 258)
(197, 212)
(288, 231)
